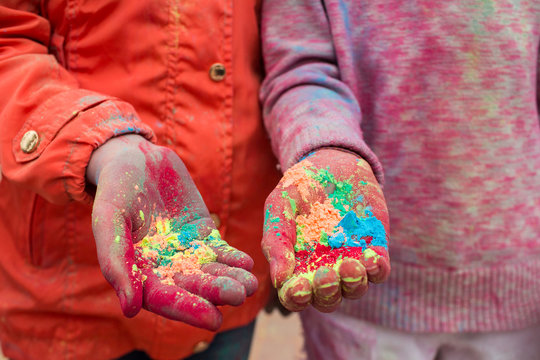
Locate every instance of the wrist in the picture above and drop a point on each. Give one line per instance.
(328, 155)
(331, 149)
(327, 149)
(115, 147)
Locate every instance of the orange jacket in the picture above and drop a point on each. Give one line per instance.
(187, 73)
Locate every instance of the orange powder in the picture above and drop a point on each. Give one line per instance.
(163, 246)
(187, 262)
(322, 217)
(296, 175)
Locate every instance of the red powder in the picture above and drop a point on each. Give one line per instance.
(310, 260)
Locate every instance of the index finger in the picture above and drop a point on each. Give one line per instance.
(178, 304)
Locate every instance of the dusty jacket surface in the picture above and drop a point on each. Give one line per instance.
(76, 73)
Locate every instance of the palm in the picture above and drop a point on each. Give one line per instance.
(157, 244)
(326, 228)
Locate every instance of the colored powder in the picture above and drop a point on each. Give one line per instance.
(341, 195)
(358, 231)
(324, 238)
(332, 230)
(186, 234)
(269, 219)
(177, 225)
(289, 215)
(322, 218)
(337, 240)
(162, 227)
(186, 262)
(300, 176)
(308, 261)
(168, 252)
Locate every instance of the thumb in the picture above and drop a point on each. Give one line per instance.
(279, 236)
(112, 233)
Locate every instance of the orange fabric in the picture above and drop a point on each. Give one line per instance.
(80, 72)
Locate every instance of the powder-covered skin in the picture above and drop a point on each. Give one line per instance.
(156, 241)
(339, 243)
(326, 231)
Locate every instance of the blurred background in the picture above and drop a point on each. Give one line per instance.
(277, 336)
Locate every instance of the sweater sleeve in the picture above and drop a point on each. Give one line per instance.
(50, 126)
(538, 81)
(305, 104)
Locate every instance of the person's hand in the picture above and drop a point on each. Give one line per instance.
(326, 231)
(140, 188)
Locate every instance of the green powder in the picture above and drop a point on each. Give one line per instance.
(269, 219)
(341, 196)
(324, 238)
(290, 216)
(300, 243)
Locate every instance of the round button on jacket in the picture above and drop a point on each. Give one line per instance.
(29, 141)
(217, 72)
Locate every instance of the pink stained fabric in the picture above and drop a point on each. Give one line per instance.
(339, 337)
(443, 96)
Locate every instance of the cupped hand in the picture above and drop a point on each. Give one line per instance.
(326, 231)
(144, 192)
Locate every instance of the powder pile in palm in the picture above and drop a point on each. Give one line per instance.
(321, 221)
(171, 249)
(332, 230)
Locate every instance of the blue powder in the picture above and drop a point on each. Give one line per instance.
(187, 234)
(337, 240)
(307, 156)
(355, 229)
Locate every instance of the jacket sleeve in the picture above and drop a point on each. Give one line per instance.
(305, 104)
(49, 125)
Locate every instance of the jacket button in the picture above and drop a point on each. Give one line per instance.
(29, 141)
(217, 72)
(216, 220)
(200, 346)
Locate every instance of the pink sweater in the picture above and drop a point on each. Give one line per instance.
(443, 95)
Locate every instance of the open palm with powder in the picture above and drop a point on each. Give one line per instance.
(326, 231)
(156, 242)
